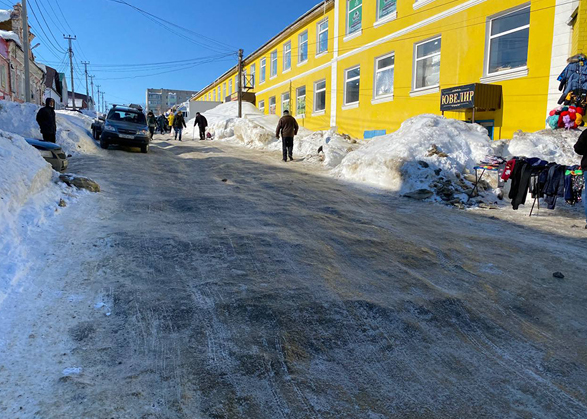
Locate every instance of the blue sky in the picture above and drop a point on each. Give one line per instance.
(116, 39)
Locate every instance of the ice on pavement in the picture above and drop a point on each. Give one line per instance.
(73, 128)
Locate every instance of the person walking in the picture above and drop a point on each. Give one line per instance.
(161, 123)
(46, 121)
(179, 124)
(152, 123)
(581, 148)
(170, 119)
(287, 129)
(202, 122)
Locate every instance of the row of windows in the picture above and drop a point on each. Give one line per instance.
(506, 50)
(319, 100)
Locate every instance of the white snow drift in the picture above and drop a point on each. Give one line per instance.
(73, 128)
(551, 145)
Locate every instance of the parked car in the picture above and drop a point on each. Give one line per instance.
(126, 126)
(98, 126)
(52, 153)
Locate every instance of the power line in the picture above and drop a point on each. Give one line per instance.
(58, 49)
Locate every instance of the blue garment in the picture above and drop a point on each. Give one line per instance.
(585, 194)
(574, 76)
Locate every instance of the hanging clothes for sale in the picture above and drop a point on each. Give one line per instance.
(555, 185)
(574, 76)
(524, 170)
(574, 184)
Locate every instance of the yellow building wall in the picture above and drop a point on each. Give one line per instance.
(580, 29)
(462, 62)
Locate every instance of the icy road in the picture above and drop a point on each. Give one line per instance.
(213, 281)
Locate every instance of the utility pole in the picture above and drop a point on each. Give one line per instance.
(103, 103)
(70, 38)
(92, 83)
(99, 109)
(26, 49)
(85, 63)
(240, 83)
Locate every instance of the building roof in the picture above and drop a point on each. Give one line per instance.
(5, 15)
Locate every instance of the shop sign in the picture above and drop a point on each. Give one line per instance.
(462, 97)
(355, 15)
(386, 7)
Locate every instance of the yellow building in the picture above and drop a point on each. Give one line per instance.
(365, 66)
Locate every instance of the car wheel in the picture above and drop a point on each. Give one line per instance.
(145, 149)
(103, 143)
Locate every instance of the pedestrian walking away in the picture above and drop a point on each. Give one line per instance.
(152, 123)
(161, 121)
(202, 122)
(581, 148)
(170, 119)
(46, 120)
(179, 124)
(287, 129)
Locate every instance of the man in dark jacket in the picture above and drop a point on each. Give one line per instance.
(287, 129)
(202, 122)
(46, 120)
(581, 148)
(179, 124)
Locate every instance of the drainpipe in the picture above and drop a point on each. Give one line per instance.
(334, 66)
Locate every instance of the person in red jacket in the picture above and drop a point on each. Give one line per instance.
(287, 129)
(581, 148)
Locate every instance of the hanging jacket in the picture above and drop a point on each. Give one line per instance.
(574, 76)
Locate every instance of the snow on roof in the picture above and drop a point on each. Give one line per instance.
(10, 36)
(5, 15)
(43, 67)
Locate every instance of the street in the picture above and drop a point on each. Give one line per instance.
(208, 280)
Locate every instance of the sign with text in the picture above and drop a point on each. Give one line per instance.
(461, 97)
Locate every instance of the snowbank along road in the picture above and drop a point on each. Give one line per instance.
(212, 281)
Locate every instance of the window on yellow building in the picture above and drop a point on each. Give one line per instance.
(320, 96)
(354, 16)
(230, 87)
(219, 98)
(263, 69)
(385, 8)
(427, 64)
(287, 56)
(253, 74)
(352, 85)
(273, 70)
(262, 106)
(507, 43)
(224, 96)
(322, 37)
(285, 102)
(303, 47)
(384, 72)
(272, 105)
(301, 101)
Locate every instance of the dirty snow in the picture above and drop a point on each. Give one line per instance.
(73, 128)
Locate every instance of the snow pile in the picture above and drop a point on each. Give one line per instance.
(5, 15)
(427, 152)
(28, 195)
(257, 130)
(10, 36)
(73, 128)
(550, 145)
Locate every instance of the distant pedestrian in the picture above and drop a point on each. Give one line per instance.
(202, 123)
(152, 123)
(179, 124)
(161, 122)
(46, 120)
(170, 119)
(581, 148)
(287, 129)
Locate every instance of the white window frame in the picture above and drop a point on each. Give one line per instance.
(316, 91)
(230, 87)
(286, 53)
(346, 80)
(262, 106)
(273, 65)
(303, 115)
(518, 71)
(320, 32)
(300, 43)
(283, 108)
(385, 19)
(219, 93)
(253, 74)
(421, 3)
(348, 13)
(272, 108)
(389, 95)
(415, 65)
(263, 70)
(224, 91)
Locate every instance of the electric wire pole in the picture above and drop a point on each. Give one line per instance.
(92, 83)
(26, 50)
(103, 103)
(85, 63)
(70, 38)
(99, 109)
(240, 83)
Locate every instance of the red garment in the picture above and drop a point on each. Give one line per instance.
(509, 169)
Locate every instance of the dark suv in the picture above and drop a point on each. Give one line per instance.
(126, 126)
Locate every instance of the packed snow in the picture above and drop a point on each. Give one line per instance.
(10, 36)
(5, 15)
(73, 128)
(550, 145)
